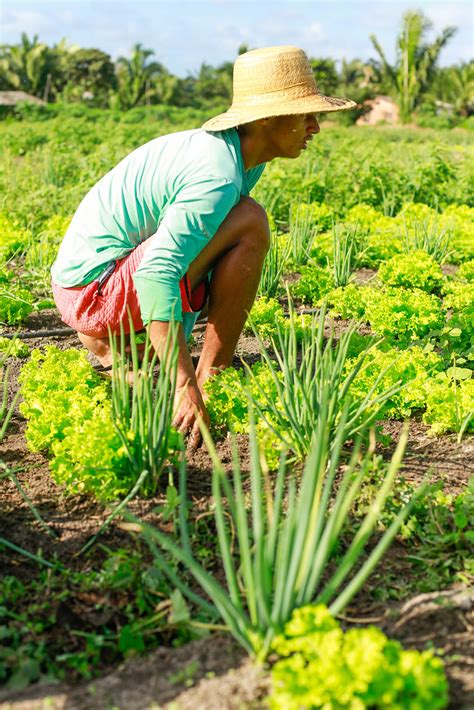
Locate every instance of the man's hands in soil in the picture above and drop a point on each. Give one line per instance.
(189, 407)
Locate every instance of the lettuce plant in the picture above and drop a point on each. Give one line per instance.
(16, 304)
(382, 235)
(319, 216)
(410, 369)
(14, 347)
(458, 295)
(90, 459)
(466, 271)
(12, 237)
(59, 387)
(313, 285)
(414, 270)
(321, 666)
(403, 315)
(266, 313)
(450, 401)
(349, 301)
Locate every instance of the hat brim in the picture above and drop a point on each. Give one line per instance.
(239, 115)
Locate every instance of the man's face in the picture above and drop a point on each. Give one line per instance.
(289, 135)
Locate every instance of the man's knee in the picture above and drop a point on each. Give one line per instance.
(255, 220)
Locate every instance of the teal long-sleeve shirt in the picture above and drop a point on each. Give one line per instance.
(175, 191)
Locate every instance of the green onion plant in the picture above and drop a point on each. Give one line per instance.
(302, 233)
(345, 241)
(283, 549)
(274, 267)
(309, 373)
(142, 404)
(427, 235)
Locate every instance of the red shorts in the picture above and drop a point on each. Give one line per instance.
(95, 308)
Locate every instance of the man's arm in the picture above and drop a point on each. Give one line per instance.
(188, 399)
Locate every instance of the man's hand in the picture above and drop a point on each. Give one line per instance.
(189, 406)
(188, 400)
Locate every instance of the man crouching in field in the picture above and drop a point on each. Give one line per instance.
(172, 226)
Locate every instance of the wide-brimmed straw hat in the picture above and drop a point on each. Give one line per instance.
(274, 81)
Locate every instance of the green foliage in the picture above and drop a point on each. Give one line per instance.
(104, 439)
(466, 271)
(12, 237)
(403, 315)
(346, 245)
(16, 304)
(415, 270)
(14, 347)
(379, 247)
(348, 301)
(450, 401)
(382, 237)
(268, 558)
(438, 532)
(267, 316)
(455, 338)
(59, 388)
(303, 226)
(321, 666)
(320, 216)
(310, 378)
(458, 295)
(142, 414)
(313, 285)
(412, 74)
(227, 404)
(117, 599)
(385, 369)
(266, 313)
(90, 457)
(368, 218)
(458, 220)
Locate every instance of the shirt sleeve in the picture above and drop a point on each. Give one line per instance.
(187, 226)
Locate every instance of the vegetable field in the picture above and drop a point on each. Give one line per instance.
(318, 550)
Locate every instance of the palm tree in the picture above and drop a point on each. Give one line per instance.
(414, 68)
(135, 75)
(26, 66)
(455, 85)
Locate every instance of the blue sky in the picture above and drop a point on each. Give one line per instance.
(185, 33)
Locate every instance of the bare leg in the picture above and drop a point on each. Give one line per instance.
(236, 254)
(233, 287)
(100, 347)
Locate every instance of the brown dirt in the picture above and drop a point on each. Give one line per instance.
(160, 678)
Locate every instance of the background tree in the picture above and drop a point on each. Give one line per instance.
(135, 76)
(25, 66)
(213, 85)
(88, 70)
(455, 85)
(325, 71)
(413, 72)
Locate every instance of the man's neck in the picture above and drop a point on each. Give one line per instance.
(254, 150)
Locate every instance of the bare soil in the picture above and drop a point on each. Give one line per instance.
(213, 672)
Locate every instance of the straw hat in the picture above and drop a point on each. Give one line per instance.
(274, 81)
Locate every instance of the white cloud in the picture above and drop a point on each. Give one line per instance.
(314, 31)
(459, 14)
(29, 21)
